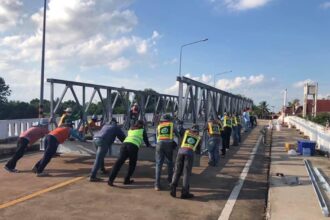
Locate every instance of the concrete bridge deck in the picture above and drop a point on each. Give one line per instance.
(67, 193)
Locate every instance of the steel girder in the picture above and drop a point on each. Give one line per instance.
(164, 104)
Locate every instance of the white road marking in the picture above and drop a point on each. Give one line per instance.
(227, 210)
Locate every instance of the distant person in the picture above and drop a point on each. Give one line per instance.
(184, 162)
(164, 148)
(235, 130)
(226, 134)
(130, 148)
(52, 140)
(103, 141)
(91, 125)
(213, 143)
(67, 115)
(27, 138)
(134, 113)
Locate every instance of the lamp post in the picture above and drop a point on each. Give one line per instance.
(41, 107)
(185, 46)
(217, 74)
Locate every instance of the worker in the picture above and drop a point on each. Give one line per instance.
(52, 140)
(164, 148)
(134, 113)
(227, 125)
(103, 141)
(67, 115)
(130, 148)
(27, 138)
(239, 127)
(213, 143)
(184, 161)
(234, 130)
(91, 125)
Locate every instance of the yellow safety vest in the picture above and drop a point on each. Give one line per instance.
(190, 141)
(134, 137)
(213, 128)
(165, 131)
(234, 120)
(238, 120)
(227, 122)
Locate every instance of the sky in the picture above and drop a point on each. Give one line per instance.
(268, 45)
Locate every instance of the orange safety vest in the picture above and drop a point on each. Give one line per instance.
(165, 131)
(61, 134)
(213, 128)
(190, 140)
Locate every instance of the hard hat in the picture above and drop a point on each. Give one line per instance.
(94, 117)
(195, 128)
(68, 109)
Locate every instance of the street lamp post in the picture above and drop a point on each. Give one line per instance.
(180, 113)
(217, 74)
(185, 46)
(41, 107)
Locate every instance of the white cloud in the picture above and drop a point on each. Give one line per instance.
(119, 64)
(325, 5)
(171, 62)
(239, 5)
(301, 84)
(240, 81)
(81, 35)
(10, 11)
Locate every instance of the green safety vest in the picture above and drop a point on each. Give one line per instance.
(134, 137)
(234, 121)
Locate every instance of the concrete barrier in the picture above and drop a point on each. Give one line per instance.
(314, 131)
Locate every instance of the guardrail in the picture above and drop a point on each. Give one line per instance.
(315, 132)
(13, 128)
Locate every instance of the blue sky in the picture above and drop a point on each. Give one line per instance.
(269, 45)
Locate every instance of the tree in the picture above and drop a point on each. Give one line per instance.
(263, 107)
(4, 91)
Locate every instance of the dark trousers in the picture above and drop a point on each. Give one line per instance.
(51, 145)
(226, 133)
(129, 151)
(183, 164)
(239, 128)
(22, 144)
(102, 150)
(164, 151)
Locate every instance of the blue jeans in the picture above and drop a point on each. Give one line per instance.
(102, 150)
(164, 151)
(213, 146)
(51, 145)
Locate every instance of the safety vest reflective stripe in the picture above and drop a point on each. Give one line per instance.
(238, 120)
(165, 131)
(213, 128)
(134, 137)
(190, 140)
(227, 122)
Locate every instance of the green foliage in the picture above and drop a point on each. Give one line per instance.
(320, 118)
(17, 110)
(4, 91)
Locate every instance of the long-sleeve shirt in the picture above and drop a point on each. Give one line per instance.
(108, 134)
(34, 133)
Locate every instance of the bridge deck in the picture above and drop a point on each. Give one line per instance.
(80, 199)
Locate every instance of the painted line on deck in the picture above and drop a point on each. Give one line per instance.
(227, 210)
(38, 193)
